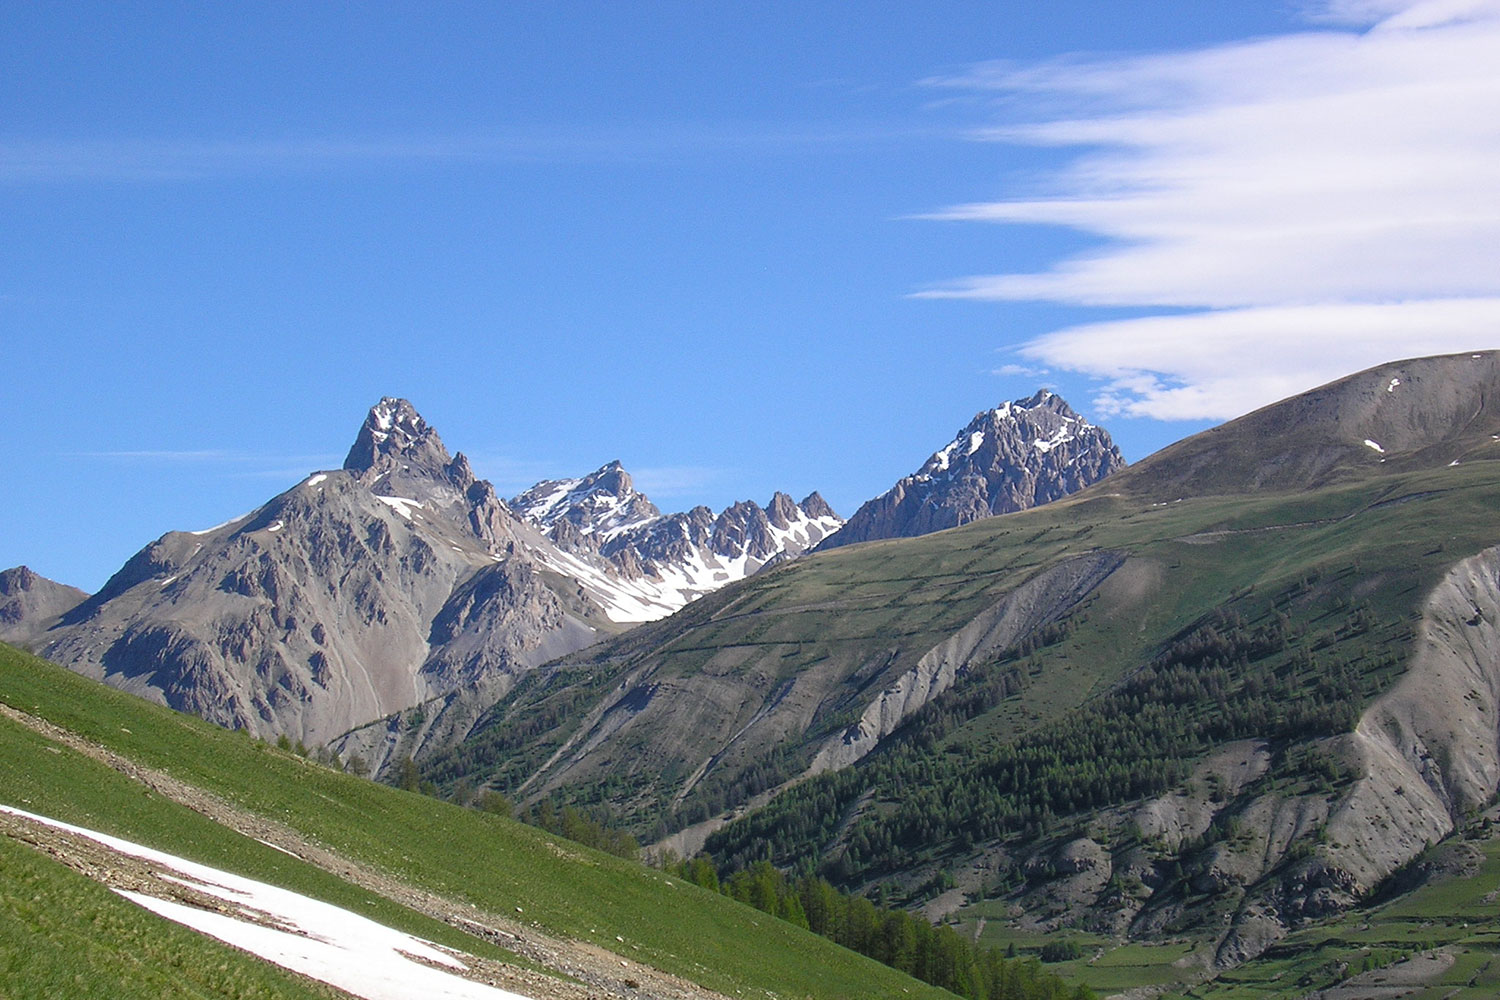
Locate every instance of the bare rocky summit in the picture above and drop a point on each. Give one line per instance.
(355, 593)
(1412, 414)
(1024, 453)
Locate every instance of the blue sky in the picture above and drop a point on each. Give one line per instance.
(740, 247)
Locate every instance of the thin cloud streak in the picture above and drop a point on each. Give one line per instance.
(295, 465)
(1317, 194)
(29, 160)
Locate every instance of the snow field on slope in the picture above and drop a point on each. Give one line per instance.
(316, 939)
(647, 599)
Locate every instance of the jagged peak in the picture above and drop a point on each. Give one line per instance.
(814, 506)
(394, 433)
(605, 501)
(1043, 420)
(782, 510)
(610, 477)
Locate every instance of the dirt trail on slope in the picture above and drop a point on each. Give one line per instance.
(600, 973)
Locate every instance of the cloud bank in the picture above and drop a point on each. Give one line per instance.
(1317, 202)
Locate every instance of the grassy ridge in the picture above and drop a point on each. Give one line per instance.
(497, 864)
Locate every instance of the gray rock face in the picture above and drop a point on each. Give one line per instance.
(1022, 454)
(30, 603)
(354, 594)
(667, 560)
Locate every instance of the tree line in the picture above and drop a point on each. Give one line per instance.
(938, 955)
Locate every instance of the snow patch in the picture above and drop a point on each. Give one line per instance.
(316, 939)
(401, 505)
(1062, 436)
(1372, 444)
(232, 520)
(1392, 387)
(276, 525)
(315, 480)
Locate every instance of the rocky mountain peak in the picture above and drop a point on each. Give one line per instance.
(782, 510)
(814, 506)
(29, 602)
(1020, 454)
(603, 502)
(394, 436)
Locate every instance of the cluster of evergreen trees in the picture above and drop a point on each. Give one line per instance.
(579, 828)
(936, 955)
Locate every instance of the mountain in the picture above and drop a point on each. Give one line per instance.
(29, 603)
(1218, 697)
(671, 559)
(1027, 452)
(1414, 414)
(356, 592)
(394, 581)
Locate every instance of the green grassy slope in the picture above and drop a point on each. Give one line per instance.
(1317, 594)
(497, 864)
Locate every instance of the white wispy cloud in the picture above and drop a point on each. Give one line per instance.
(1012, 370)
(160, 455)
(1321, 201)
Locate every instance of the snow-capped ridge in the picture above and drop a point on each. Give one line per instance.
(642, 564)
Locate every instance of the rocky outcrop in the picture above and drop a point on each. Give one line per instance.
(1229, 852)
(1024, 453)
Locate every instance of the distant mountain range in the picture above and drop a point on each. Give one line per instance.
(396, 579)
(402, 577)
(661, 561)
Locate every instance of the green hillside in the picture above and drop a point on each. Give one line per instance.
(498, 866)
(1273, 618)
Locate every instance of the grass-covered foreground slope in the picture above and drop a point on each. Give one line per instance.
(423, 849)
